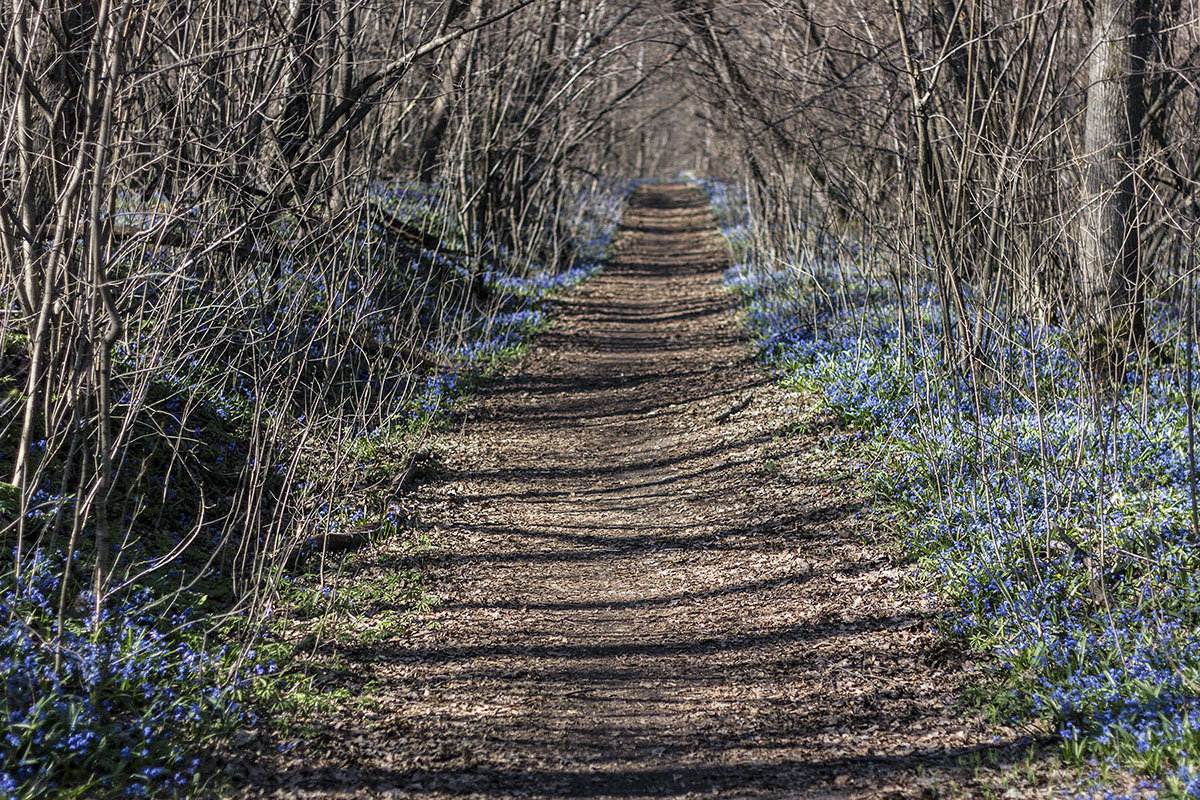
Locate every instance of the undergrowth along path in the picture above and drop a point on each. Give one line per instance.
(651, 587)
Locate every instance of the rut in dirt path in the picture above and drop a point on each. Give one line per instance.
(645, 594)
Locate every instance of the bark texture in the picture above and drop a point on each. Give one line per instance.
(1110, 269)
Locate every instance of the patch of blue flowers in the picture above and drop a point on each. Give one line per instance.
(1058, 524)
(115, 705)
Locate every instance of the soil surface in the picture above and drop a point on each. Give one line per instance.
(649, 587)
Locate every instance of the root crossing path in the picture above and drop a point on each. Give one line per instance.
(650, 587)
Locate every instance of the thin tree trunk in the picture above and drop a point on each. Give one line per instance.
(439, 120)
(1110, 274)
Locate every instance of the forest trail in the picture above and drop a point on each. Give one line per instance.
(641, 600)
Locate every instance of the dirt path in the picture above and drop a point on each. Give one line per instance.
(641, 601)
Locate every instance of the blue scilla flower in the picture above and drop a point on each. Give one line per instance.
(990, 476)
(118, 696)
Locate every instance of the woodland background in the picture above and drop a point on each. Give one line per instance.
(252, 250)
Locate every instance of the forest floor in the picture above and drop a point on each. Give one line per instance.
(648, 588)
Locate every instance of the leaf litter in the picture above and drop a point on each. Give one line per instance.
(639, 600)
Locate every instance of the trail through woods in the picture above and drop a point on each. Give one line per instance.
(650, 589)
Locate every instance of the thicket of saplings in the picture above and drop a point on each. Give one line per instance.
(971, 227)
(251, 251)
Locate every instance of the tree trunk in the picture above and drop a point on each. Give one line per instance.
(1111, 275)
(439, 119)
(296, 121)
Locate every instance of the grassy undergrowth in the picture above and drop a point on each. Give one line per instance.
(259, 407)
(361, 599)
(1057, 524)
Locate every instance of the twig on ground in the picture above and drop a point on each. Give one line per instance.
(740, 405)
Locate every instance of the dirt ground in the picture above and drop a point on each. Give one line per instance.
(649, 590)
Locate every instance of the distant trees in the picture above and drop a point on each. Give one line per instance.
(1038, 155)
(1034, 160)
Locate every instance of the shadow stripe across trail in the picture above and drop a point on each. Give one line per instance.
(639, 600)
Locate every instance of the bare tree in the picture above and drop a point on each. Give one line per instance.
(1110, 267)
